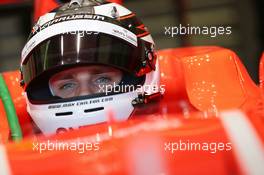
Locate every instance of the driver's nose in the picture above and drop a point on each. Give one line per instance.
(85, 90)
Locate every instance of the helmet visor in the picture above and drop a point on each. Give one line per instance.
(83, 48)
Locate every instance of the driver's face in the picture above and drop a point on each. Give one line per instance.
(81, 81)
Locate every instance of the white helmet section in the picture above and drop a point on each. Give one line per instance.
(107, 10)
(45, 18)
(148, 38)
(50, 118)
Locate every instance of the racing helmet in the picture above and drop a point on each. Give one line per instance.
(82, 33)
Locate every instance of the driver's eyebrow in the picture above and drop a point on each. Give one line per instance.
(66, 77)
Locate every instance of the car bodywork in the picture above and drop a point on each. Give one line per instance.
(209, 98)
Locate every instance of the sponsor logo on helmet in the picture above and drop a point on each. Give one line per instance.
(124, 34)
(38, 28)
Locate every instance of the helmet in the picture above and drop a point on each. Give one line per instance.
(82, 33)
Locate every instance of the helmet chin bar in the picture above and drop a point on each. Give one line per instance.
(75, 114)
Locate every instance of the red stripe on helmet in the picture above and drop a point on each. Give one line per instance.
(42, 7)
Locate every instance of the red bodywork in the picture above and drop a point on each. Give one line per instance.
(200, 83)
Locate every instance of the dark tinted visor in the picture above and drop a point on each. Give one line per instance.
(83, 48)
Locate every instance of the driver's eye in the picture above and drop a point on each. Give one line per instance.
(67, 86)
(103, 81)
